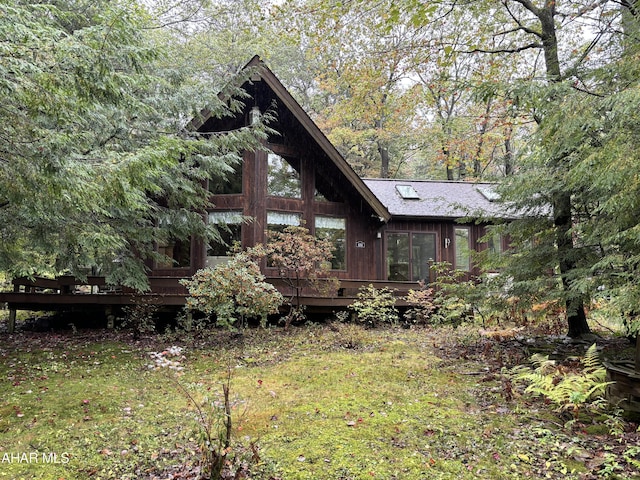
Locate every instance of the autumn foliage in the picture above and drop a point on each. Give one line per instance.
(303, 261)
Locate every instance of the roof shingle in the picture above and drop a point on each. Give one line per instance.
(439, 199)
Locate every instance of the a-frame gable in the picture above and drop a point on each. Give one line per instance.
(262, 72)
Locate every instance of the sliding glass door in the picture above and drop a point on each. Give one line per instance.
(409, 255)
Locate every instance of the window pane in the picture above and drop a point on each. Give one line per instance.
(326, 190)
(495, 243)
(334, 230)
(230, 231)
(463, 257)
(230, 217)
(407, 192)
(231, 184)
(423, 253)
(280, 220)
(283, 177)
(178, 253)
(398, 256)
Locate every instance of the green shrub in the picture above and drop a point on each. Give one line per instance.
(233, 292)
(140, 316)
(375, 306)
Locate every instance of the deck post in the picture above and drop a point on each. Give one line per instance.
(111, 318)
(12, 320)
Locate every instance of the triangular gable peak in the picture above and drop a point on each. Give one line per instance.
(263, 88)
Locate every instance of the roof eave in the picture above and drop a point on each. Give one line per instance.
(312, 129)
(264, 73)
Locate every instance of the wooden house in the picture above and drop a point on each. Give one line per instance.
(385, 231)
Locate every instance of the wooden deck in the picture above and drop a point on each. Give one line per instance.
(63, 293)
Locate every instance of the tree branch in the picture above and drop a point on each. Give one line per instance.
(629, 5)
(518, 29)
(526, 4)
(591, 7)
(584, 90)
(519, 23)
(506, 50)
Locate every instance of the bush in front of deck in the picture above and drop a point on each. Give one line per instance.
(375, 306)
(234, 292)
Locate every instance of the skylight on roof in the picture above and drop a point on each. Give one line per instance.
(407, 192)
(488, 192)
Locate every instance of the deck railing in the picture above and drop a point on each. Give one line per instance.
(69, 285)
(59, 293)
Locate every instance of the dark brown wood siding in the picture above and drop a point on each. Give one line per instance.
(363, 246)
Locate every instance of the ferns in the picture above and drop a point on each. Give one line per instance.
(573, 391)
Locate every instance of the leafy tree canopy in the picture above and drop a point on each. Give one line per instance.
(95, 162)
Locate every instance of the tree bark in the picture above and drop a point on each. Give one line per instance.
(384, 160)
(562, 205)
(574, 304)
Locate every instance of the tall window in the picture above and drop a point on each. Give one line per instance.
(177, 253)
(494, 244)
(326, 190)
(334, 229)
(229, 184)
(229, 226)
(409, 255)
(283, 176)
(463, 249)
(278, 221)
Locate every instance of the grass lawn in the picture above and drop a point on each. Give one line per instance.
(309, 403)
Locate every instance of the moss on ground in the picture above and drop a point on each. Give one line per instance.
(316, 402)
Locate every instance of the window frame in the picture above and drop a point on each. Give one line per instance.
(344, 250)
(285, 162)
(410, 253)
(459, 249)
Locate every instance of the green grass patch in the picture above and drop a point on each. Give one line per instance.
(318, 403)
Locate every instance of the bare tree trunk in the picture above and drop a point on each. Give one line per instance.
(576, 317)
(562, 205)
(508, 154)
(383, 150)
